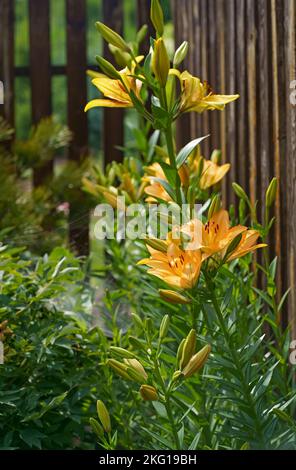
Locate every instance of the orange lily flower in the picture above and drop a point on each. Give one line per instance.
(212, 173)
(154, 188)
(176, 267)
(197, 95)
(247, 244)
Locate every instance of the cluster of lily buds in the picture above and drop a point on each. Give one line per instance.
(104, 417)
(189, 361)
(130, 368)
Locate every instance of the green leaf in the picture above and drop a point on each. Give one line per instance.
(187, 150)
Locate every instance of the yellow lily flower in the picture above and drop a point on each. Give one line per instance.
(116, 92)
(197, 95)
(176, 267)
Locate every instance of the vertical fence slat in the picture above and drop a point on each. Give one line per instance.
(264, 96)
(113, 118)
(7, 58)
(290, 25)
(143, 17)
(77, 119)
(230, 68)
(181, 29)
(204, 72)
(40, 72)
(242, 147)
(276, 117)
(252, 97)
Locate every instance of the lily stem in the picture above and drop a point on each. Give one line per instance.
(167, 404)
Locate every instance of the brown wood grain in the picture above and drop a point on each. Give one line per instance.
(40, 73)
(290, 58)
(77, 118)
(7, 58)
(254, 55)
(113, 118)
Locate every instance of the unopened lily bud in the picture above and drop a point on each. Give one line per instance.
(173, 297)
(188, 349)
(112, 37)
(180, 350)
(160, 62)
(148, 393)
(177, 375)
(197, 361)
(123, 59)
(149, 325)
(104, 416)
(239, 191)
(216, 156)
(137, 320)
(214, 207)
(271, 192)
(136, 366)
(200, 166)
(107, 68)
(121, 352)
(96, 427)
(136, 343)
(164, 327)
(156, 15)
(141, 34)
(180, 54)
(119, 368)
(233, 245)
(156, 244)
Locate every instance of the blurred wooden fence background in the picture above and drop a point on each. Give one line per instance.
(248, 47)
(244, 46)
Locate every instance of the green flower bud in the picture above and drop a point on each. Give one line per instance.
(104, 416)
(96, 427)
(107, 68)
(160, 62)
(239, 191)
(197, 361)
(180, 54)
(188, 349)
(271, 192)
(164, 326)
(214, 207)
(121, 352)
(112, 37)
(141, 34)
(119, 368)
(216, 156)
(156, 15)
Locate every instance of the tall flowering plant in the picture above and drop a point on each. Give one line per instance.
(200, 264)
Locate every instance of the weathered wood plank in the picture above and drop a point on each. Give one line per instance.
(77, 119)
(231, 119)
(7, 58)
(113, 118)
(290, 55)
(40, 72)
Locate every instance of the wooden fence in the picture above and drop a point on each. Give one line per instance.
(40, 71)
(248, 47)
(244, 46)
